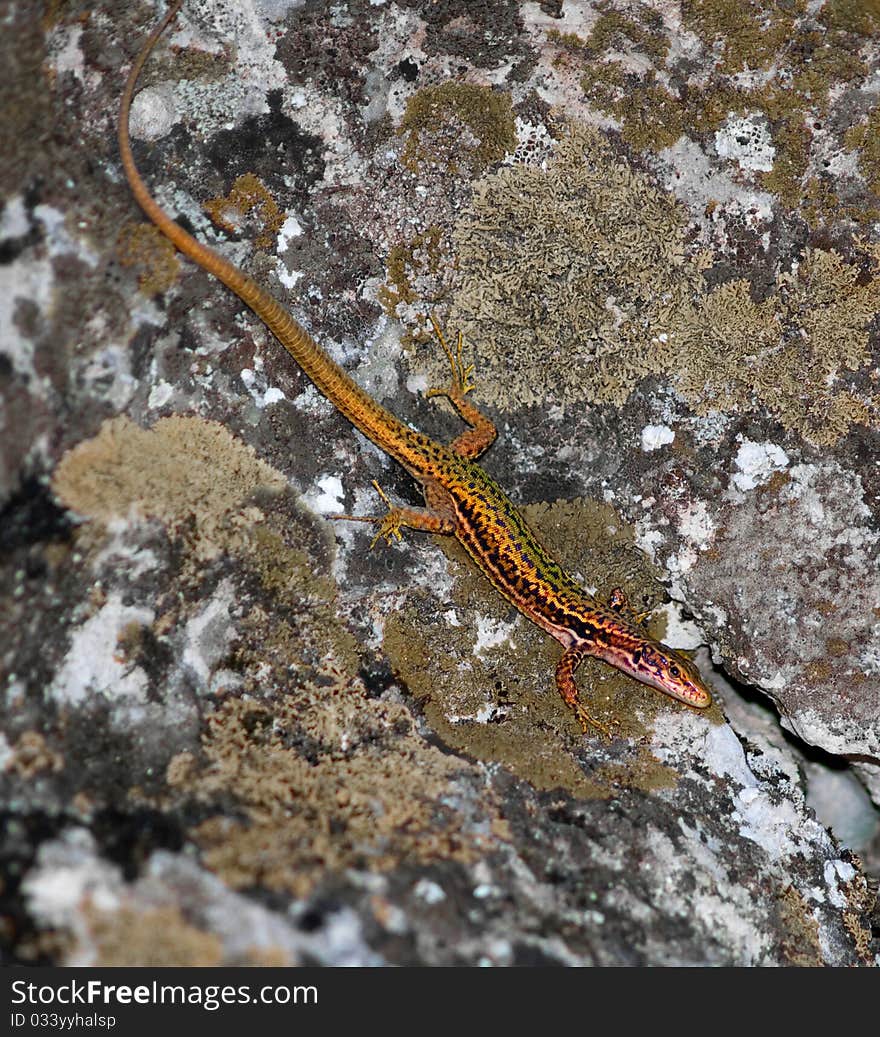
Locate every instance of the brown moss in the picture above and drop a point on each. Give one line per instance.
(144, 247)
(836, 647)
(613, 30)
(818, 670)
(328, 779)
(152, 938)
(800, 944)
(248, 195)
(852, 16)
(865, 139)
(747, 33)
(457, 125)
(862, 902)
(32, 755)
(423, 254)
(662, 119)
(191, 474)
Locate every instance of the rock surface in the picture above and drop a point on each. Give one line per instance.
(233, 734)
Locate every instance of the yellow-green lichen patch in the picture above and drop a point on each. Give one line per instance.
(127, 937)
(146, 248)
(576, 283)
(324, 778)
(567, 276)
(408, 265)
(463, 127)
(788, 352)
(777, 60)
(864, 138)
(744, 34)
(189, 473)
(248, 195)
(485, 677)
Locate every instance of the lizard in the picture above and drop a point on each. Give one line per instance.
(462, 500)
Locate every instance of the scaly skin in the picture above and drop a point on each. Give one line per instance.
(462, 500)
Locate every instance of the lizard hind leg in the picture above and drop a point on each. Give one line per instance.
(482, 432)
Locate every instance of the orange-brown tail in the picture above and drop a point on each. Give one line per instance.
(359, 407)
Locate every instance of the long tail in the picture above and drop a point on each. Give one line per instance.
(378, 424)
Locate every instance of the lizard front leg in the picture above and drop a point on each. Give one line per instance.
(572, 658)
(390, 524)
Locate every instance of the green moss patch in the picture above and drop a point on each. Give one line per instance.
(460, 126)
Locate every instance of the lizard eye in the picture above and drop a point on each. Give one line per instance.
(674, 671)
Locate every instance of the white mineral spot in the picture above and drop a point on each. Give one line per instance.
(746, 140)
(680, 632)
(724, 754)
(329, 496)
(696, 525)
(14, 219)
(656, 436)
(429, 891)
(291, 228)
(153, 113)
(756, 463)
(287, 277)
(838, 872)
(160, 394)
(208, 634)
(6, 753)
(57, 238)
(69, 56)
(490, 634)
(94, 665)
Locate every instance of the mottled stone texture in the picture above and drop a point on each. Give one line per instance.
(231, 734)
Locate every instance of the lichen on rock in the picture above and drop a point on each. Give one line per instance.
(576, 282)
(567, 276)
(791, 352)
(328, 779)
(464, 126)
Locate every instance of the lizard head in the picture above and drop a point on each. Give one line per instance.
(662, 668)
